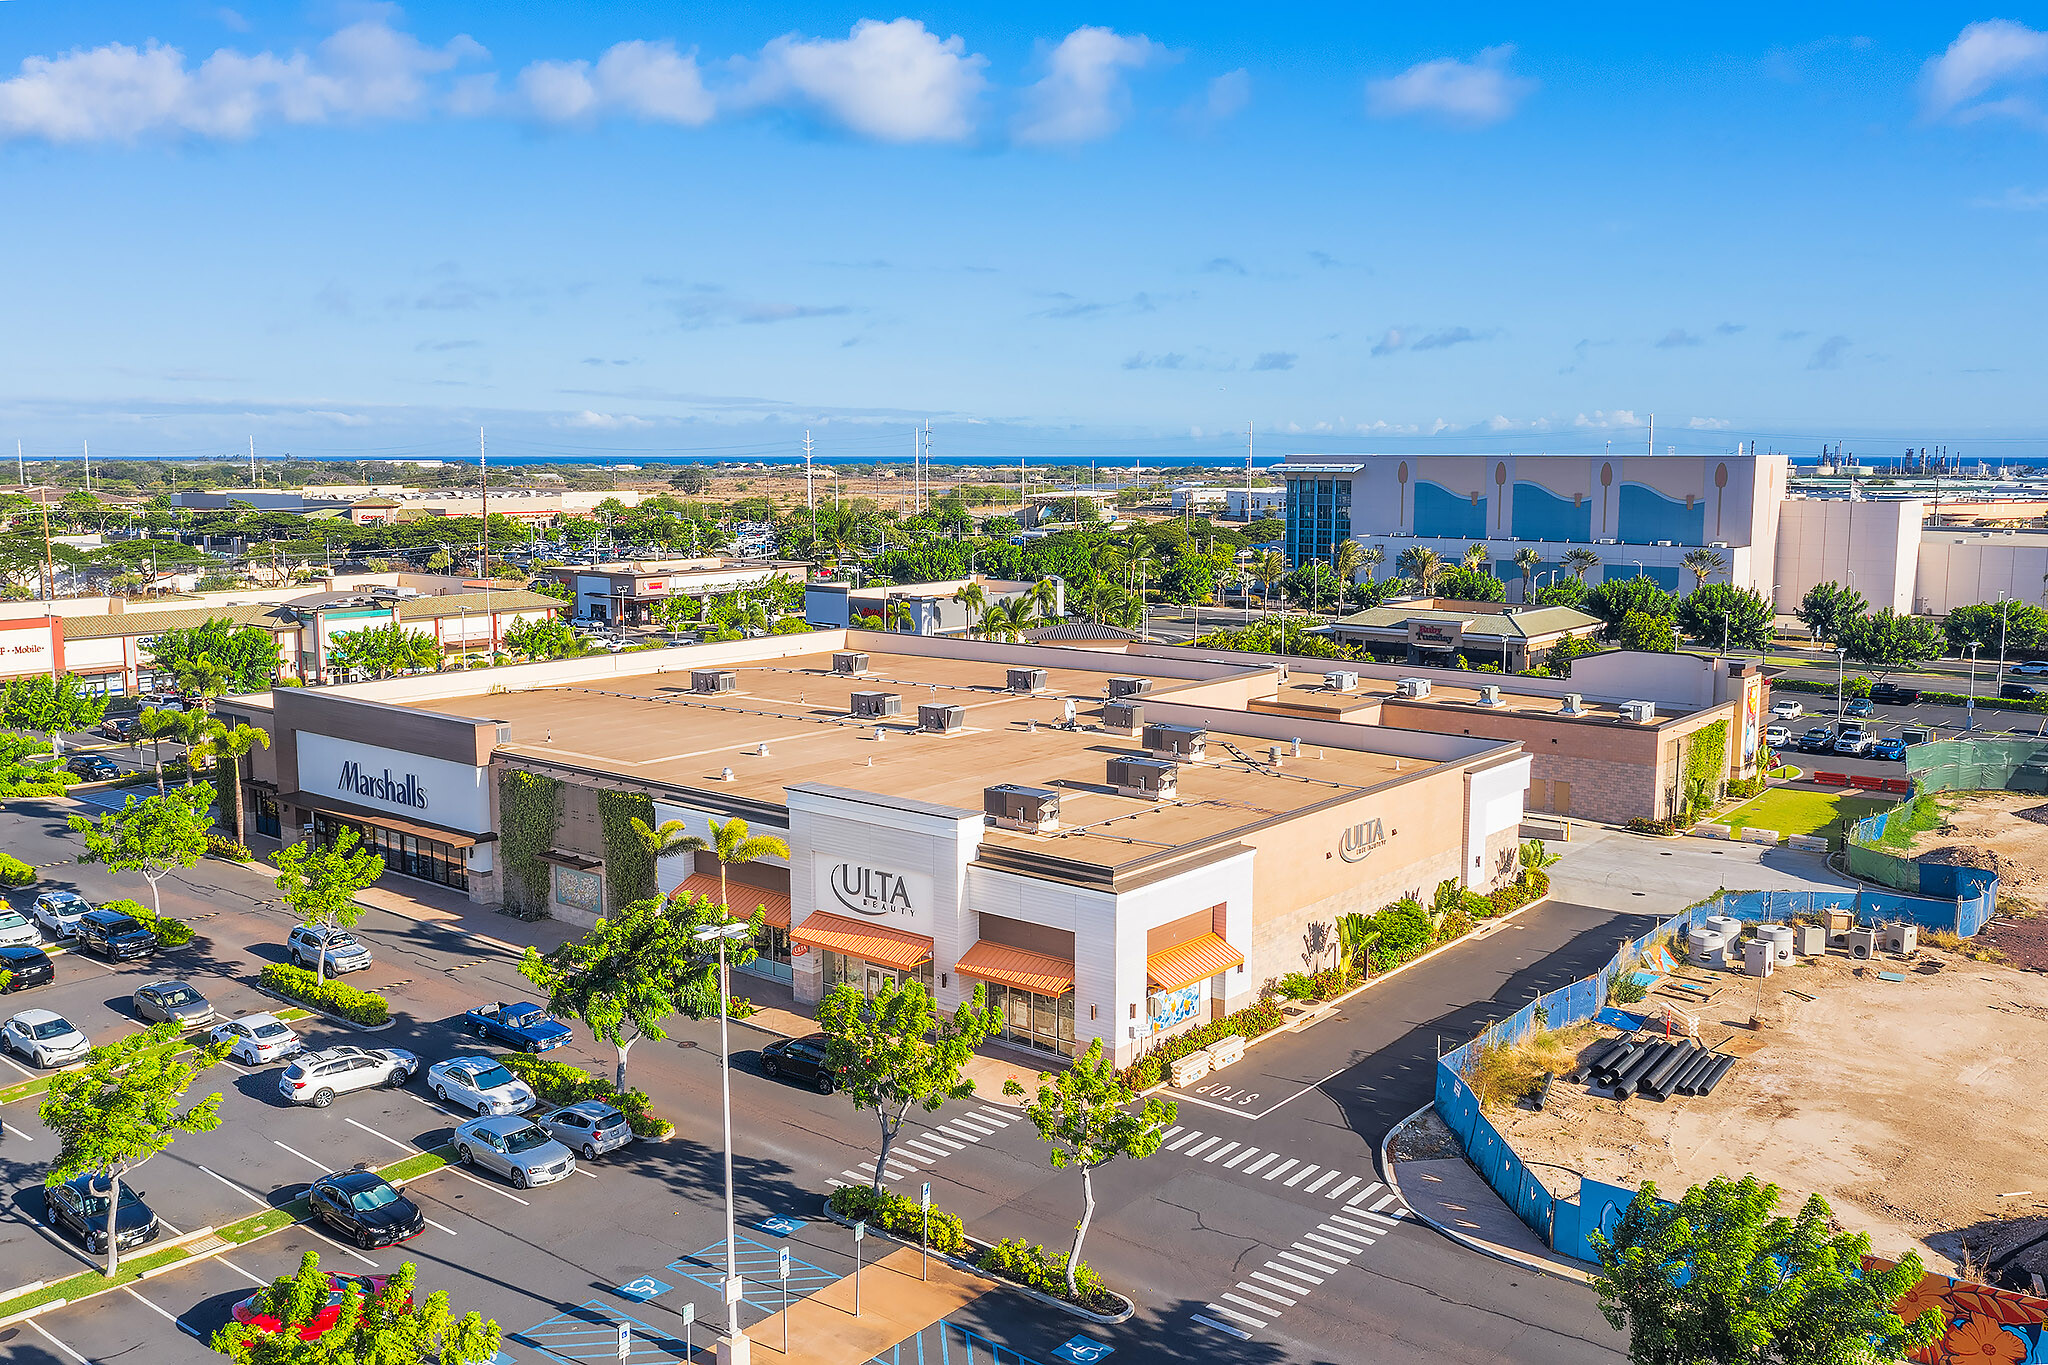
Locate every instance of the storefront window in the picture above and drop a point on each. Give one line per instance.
(265, 806)
(406, 854)
(866, 977)
(1035, 1021)
(771, 948)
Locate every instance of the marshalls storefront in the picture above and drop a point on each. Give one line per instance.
(1111, 854)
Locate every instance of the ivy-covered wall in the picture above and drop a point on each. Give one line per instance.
(1704, 769)
(224, 771)
(529, 809)
(628, 866)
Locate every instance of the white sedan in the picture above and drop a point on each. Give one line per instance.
(59, 912)
(1788, 710)
(257, 1039)
(479, 1084)
(16, 931)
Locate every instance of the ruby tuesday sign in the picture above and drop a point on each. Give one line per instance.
(381, 785)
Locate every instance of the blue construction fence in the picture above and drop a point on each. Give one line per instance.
(1564, 1222)
(1946, 881)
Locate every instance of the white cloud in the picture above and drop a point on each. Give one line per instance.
(894, 81)
(1498, 423)
(1228, 95)
(1083, 96)
(650, 81)
(1708, 423)
(117, 93)
(1477, 92)
(1963, 83)
(2023, 201)
(606, 421)
(1620, 417)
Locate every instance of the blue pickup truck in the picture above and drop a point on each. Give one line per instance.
(525, 1026)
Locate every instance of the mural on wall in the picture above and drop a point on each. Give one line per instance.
(1986, 1326)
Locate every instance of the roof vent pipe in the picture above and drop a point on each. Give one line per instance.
(725, 775)
(1297, 746)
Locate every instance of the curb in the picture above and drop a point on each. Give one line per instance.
(1505, 1255)
(969, 1268)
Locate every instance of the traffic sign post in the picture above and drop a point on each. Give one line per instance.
(625, 1340)
(689, 1317)
(924, 1245)
(782, 1272)
(860, 1231)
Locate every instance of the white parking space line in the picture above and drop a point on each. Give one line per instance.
(239, 1271)
(323, 1166)
(458, 1171)
(443, 1226)
(17, 1132)
(56, 1343)
(401, 1146)
(153, 1308)
(245, 1192)
(17, 1066)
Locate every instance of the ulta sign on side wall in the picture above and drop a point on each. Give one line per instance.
(845, 886)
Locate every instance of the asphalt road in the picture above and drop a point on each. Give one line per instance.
(1246, 1189)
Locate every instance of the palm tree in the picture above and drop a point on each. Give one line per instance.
(234, 745)
(1045, 597)
(1270, 567)
(1141, 556)
(974, 597)
(1526, 559)
(1474, 558)
(1580, 561)
(1370, 558)
(1422, 564)
(154, 727)
(896, 615)
(733, 845)
(671, 838)
(1346, 561)
(1007, 620)
(1704, 564)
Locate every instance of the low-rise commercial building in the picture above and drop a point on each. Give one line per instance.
(1441, 630)
(629, 591)
(920, 608)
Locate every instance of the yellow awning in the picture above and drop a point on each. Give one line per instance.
(1186, 963)
(892, 948)
(1017, 967)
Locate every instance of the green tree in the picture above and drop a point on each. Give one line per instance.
(1526, 560)
(121, 1108)
(892, 1050)
(234, 745)
(248, 654)
(1885, 640)
(1704, 564)
(1470, 585)
(49, 706)
(387, 1326)
(1191, 579)
(1263, 530)
(1562, 592)
(1082, 1116)
(319, 884)
(1996, 626)
(1579, 562)
(671, 838)
(153, 727)
(151, 838)
(547, 637)
(1314, 585)
(974, 597)
(1718, 611)
(1348, 559)
(440, 562)
(1828, 608)
(1646, 633)
(1615, 598)
(1423, 565)
(1721, 1278)
(636, 968)
(383, 650)
(1269, 568)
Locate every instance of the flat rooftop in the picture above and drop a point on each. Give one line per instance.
(652, 729)
(1311, 698)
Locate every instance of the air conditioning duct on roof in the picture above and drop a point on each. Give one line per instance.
(1639, 712)
(1152, 778)
(1412, 687)
(850, 662)
(1035, 810)
(1126, 717)
(1490, 696)
(1027, 680)
(1340, 681)
(1574, 705)
(1129, 687)
(877, 704)
(1187, 743)
(714, 680)
(938, 718)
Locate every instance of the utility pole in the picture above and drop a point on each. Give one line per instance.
(254, 482)
(810, 502)
(88, 464)
(20, 469)
(1247, 472)
(49, 558)
(1653, 435)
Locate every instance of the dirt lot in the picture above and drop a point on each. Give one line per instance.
(1911, 1106)
(2005, 832)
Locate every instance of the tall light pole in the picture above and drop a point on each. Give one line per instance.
(2002, 601)
(1972, 713)
(735, 1349)
(1841, 666)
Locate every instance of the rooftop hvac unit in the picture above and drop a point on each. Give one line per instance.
(1035, 810)
(1127, 716)
(938, 718)
(714, 680)
(1129, 687)
(1027, 680)
(1574, 705)
(1667, 544)
(1341, 681)
(1490, 696)
(850, 661)
(1412, 687)
(1719, 544)
(1152, 778)
(877, 704)
(1639, 712)
(1184, 742)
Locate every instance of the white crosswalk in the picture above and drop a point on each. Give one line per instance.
(1295, 1273)
(912, 1154)
(1240, 1159)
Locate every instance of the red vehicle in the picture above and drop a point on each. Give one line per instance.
(323, 1321)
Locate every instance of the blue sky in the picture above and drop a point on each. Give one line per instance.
(357, 229)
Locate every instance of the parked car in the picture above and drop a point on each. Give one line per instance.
(257, 1039)
(315, 1078)
(121, 728)
(525, 1026)
(2018, 691)
(15, 929)
(1852, 742)
(806, 1059)
(1891, 694)
(79, 1206)
(1787, 710)
(115, 936)
(1777, 736)
(44, 1037)
(172, 1002)
(1819, 740)
(480, 1084)
(589, 1128)
(365, 1208)
(1857, 708)
(94, 768)
(2032, 668)
(515, 1148)
(1892, 750)
(339, 1287)
(343, 950)
(59, 912)
(25, 966)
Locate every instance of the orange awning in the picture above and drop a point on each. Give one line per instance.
(1186, 963)
(1026, 971)
(884, 947)
(745, 899)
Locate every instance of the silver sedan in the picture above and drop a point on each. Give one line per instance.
(515, 1148)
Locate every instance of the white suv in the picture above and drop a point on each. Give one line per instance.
(344, 951)
(315, 1078)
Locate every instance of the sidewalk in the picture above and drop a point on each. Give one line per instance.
(894, 1306)
(1430, 1173)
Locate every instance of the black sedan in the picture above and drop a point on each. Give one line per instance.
(93, 768)
(801, 1059)
(363, 1207)
(24, 965)
(79, 1207)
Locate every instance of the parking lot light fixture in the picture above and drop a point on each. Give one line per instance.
(735, 1349)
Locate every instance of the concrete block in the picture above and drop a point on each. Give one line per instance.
(1708, 830)
(1760, 836)
(1190, 1069)
(1807, 843)
(1224, 1051)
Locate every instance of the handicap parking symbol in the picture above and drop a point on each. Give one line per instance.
(1081, 1351)
(779, 1225)
(642, 1289)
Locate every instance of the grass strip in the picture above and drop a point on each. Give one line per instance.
(245, 1230)
(90, 1282)
(413, 1167)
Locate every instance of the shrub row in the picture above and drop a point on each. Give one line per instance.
(1249, 1023)
(221, 846)
(1742, 788)
(1641, 826)
(170, 933)
(561, 1083)
(2038, 706)
(30, 787)
(15, 872)
(903, 1217)
(335, 997)
(1046, 1271)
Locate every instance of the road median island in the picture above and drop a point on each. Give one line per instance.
(332, 999)
(560, 1083)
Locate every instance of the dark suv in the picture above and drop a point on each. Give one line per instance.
(2018, 692)
(801, 1059)
(24, 965)
(114, 935)
(1891, 694)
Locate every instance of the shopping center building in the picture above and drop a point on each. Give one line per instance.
(1115, 847)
